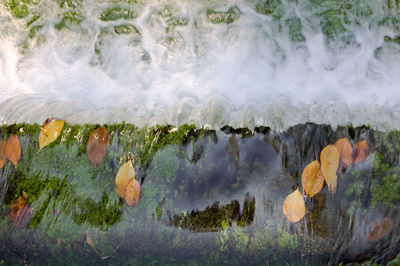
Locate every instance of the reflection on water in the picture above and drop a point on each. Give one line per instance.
(207, 196)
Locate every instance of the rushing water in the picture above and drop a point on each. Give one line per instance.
(207, 196)
(243, 63)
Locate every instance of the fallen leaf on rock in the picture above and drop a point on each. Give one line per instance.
(294, 207)
(125, 174)
(13, 149)
(361, 150)
(22, 220)
(312, 179)
(381, 229)
(50, 131)
(3, 156)
(20, 212)
(96, 147)
(329, 165)
(345, 150)
(132, 192)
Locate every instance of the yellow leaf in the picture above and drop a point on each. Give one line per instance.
(329, 165)
(3, 156)
(312, 179)
(132, 192)
(294, 207)
(50, 132)
(125, 174)
(13, 149)
(345, 150)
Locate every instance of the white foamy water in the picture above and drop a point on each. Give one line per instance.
(245, 73)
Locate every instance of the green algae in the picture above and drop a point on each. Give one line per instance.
(34, 30)
(269, 7)
(33, 20)
(332, 25)
(227, 17)
(171, 18)
(176, 22)
(295, 28)
(70, 3)
(69, 20)
(18, 9)
(126, 29)
(116, 13)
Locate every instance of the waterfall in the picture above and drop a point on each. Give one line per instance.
(240, 63)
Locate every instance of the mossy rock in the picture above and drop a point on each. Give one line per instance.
(295, 28)
(116, 13)
(18, 9)
(70, 19)
(70, 3)
(227, 17)
(268, 7)
(126, 29)
(228, 184)
(332, 25)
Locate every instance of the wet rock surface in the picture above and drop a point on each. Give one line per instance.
(207, 196)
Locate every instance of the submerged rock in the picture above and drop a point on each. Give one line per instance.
(220, 191)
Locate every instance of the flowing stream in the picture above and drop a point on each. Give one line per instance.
(246, 63)
(221, 105)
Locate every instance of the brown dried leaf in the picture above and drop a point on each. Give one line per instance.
(13, 149)
(132, 192)
(3, 156)
(22, 220)
(294, 207)
(96, 147)
(345, 150)
(125, 174)
(312, 179)
(381, 229)
(16, 207)
(50, 131)
(329, 165)
(20, 212)
(361, 150)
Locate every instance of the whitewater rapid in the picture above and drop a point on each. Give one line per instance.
(175, 63)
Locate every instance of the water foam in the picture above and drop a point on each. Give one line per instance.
(245, 73)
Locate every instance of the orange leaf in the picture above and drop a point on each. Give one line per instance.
(329, 165)
(345, 150)
(13, 149)
(125, 174)
(96, 147)
(381, 229)
(22, 220)
(132, 192)
(20, 212)
(3, 156)
(312, 179)
(294, 207)
(360, 151)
